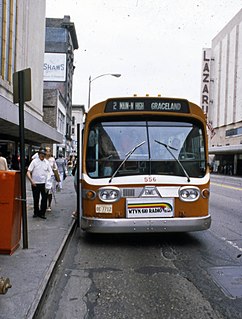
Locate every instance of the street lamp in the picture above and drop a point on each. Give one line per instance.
(99, 76)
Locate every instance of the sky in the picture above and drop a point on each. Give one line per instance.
(156, 45)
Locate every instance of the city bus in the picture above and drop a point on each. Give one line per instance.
(144, 167)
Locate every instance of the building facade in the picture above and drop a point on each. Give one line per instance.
(78, 112)
(22, 45)
(221, 97)
(60, 43)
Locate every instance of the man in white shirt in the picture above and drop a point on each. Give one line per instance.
(3, 163)
(38, 172)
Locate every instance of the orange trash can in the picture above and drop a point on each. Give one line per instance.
(10, 211)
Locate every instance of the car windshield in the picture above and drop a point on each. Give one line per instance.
(127, 148)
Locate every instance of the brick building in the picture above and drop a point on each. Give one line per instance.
(60, 43)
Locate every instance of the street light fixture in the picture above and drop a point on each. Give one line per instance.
(99, 76)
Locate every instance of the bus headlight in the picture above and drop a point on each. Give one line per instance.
(107, 194)
(189, 194)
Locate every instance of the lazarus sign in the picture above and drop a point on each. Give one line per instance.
(55, 67)
(205, 79)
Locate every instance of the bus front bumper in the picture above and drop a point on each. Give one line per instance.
(145, 225)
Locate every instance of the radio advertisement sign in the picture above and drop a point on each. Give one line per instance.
(149, 207)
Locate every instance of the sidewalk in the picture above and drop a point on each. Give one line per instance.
(29, 269)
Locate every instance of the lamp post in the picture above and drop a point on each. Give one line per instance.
(99, 76)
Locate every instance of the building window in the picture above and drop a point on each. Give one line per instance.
(233, 132)
(68, 131)
(73, 131)
(61, 122)
(73, 120)
(7, 38)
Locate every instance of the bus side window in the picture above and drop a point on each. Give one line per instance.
(91, 163)
(91, 139)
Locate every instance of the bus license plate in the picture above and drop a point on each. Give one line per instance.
(104, 209)
(149, 207)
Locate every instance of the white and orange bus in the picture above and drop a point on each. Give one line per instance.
(144, 167)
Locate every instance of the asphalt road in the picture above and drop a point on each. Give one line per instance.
(171, 276)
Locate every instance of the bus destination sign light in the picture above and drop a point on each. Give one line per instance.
(156, 105)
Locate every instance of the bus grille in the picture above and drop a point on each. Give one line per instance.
(128, 192)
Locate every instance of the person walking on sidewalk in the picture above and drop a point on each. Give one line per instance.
(38, 172)
(61, 164)
(75, 213)
(3, 163)
(70, 165)
(51, 191)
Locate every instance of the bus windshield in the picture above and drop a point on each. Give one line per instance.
(126, 148)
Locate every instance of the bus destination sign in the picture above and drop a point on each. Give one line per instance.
(139, 105)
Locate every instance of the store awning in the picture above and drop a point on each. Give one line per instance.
(36, 131)
(228, 149)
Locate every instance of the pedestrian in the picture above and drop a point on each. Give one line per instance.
(38, 172)
(3, 163)
(15, 162)
(52, 188)
(61, 164)
(70, 166)
(75, 213)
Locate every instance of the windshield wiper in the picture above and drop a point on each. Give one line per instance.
(127, 156)
(168, 147)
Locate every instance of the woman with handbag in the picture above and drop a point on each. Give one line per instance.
(52, 188)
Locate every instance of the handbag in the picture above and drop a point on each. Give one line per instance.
(57, 176)
(48, 182)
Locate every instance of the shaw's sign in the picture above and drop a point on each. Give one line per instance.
(55, 67)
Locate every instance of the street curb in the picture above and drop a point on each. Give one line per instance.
(40, 293)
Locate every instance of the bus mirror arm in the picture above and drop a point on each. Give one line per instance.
(176, 159)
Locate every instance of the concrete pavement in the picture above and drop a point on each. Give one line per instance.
(30, 269)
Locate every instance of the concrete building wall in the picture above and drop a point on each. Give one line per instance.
(226, 73)
(225, 108)
(22, 36)
(30, 48)
(215, 92)
(78, 112)
(238, 113)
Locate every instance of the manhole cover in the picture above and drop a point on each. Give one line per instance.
(229, 279)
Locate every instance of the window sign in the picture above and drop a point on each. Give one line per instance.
(55, 67)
